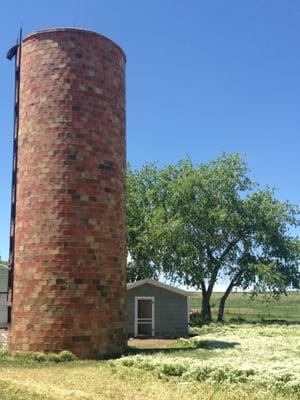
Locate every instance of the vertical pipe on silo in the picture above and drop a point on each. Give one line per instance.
(14, 52)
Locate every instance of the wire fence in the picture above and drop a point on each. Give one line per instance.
(240, 306)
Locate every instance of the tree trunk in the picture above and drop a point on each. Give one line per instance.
(205, 309)
(225, 296)
(222, 308)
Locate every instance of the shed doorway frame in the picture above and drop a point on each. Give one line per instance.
(145, 320)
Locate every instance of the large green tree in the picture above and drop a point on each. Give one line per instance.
(199, 224)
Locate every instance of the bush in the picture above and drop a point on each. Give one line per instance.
(195, 318)
(220, 375)
(201, 374)
(173, 369)
(63, 356)
(39, 357)
(24, 357)
(128, 362)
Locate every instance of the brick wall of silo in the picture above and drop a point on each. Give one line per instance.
(69, 276)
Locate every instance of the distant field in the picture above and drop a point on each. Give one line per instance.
(240, 305)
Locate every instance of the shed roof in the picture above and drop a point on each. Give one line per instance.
(157, 284)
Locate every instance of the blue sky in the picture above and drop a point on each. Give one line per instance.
(203, 77)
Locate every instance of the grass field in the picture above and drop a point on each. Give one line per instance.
(240, 305)
(224, 362)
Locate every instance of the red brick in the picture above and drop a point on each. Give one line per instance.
(68, 225)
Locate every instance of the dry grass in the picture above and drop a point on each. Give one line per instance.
(101, 380)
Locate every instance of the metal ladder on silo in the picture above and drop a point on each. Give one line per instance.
(14, 52)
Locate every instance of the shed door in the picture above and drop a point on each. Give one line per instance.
(144, 316)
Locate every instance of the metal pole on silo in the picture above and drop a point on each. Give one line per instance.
(14, 52)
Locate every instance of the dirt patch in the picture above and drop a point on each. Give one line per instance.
(151, 342)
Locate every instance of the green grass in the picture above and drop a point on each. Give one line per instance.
(224, 362)
(240, 305)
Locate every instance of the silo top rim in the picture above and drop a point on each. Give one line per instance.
(77, 30)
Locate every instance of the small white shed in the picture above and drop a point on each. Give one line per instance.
(155, 309)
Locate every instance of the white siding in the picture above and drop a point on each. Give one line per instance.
(3, 309)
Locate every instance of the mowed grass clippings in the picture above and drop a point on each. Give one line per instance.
(100, 380)
(258, 358)
(95, 381)
(230, 362)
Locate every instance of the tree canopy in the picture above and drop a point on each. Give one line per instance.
(198, 224)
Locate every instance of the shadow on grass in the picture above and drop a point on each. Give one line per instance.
(216, 344)
(201, 344)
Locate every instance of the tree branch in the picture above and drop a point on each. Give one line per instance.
(223, 299)
(210, 254)
(233, 282)
(228, 248)
(203, 287)
(213, 279)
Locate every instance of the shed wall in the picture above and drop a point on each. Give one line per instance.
(170, 311)
(3, 279)
(3, 310)
(3, 295)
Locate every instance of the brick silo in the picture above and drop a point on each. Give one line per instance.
(69, 282)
